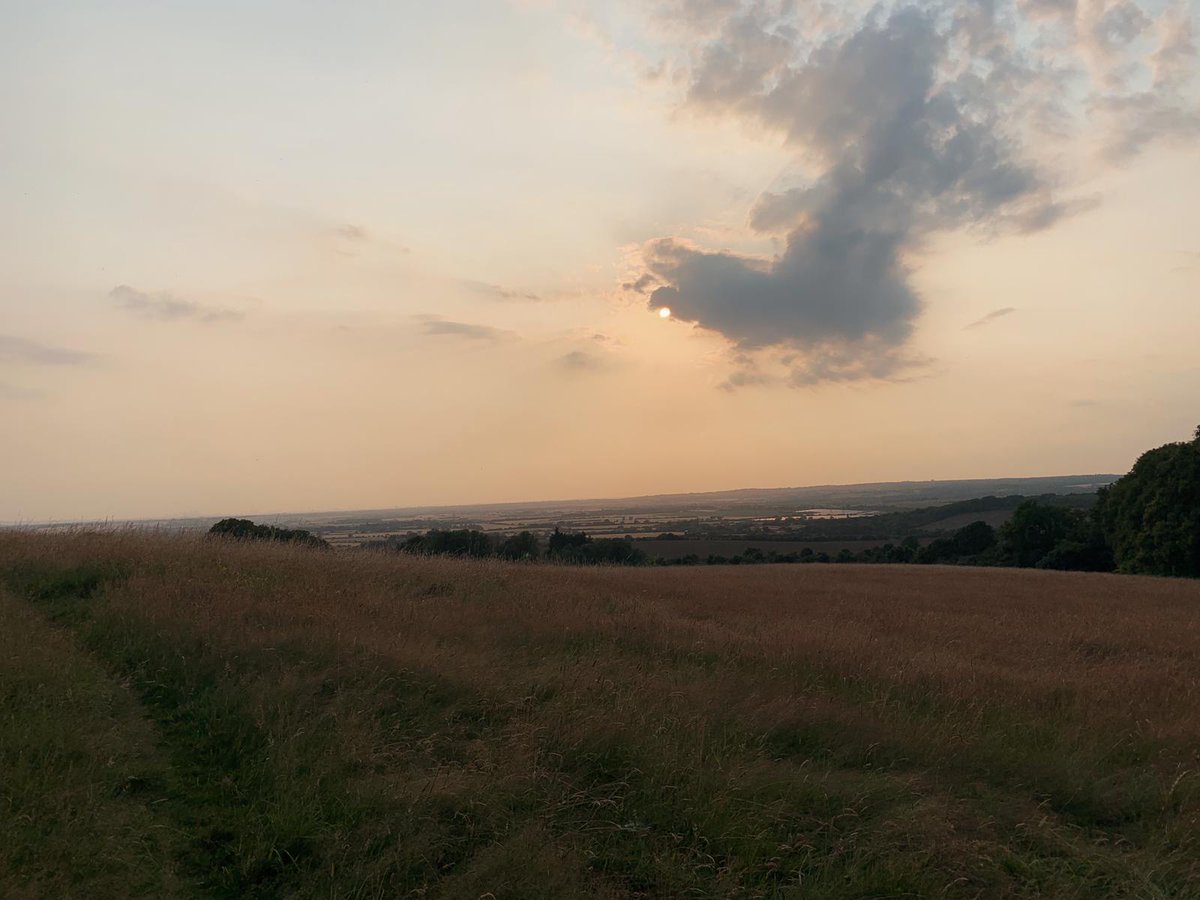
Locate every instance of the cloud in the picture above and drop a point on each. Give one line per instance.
(165, 307)
(439, 327)
(20, 350)
(1048, 9)
(905, 121)
(1174, 61)
(18, 392)
(1105, 29)
(874, 361)
(355, 234)
(748, 377)
(845, 287)
(1194, 263)
(582, 361)
(351, 240)
(900, 149)
(1134, 121)
(829, 363)
(499, 293)
(991, 317)
(1141, 97)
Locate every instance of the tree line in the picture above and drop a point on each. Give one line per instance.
(1147, 522)
(561, 546)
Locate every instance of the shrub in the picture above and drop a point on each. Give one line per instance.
(246, 530)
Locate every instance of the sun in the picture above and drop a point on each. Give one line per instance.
(664, 312)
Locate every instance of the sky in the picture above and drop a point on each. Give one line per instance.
(275, 256)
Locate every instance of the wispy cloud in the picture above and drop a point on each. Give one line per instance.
(748, 377)
(165, 307)
(356, 234)
(439, 327)
(18, 392)
(1194, 261)
(497, 292)
(350, 240)
(991, 317)
(21, 350)
(582, 361)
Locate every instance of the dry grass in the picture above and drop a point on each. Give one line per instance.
(363, 725)
(76, 757)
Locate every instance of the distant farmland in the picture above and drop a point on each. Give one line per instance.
(703, 547)
(183, 717)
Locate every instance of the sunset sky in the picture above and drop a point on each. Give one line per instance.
(268, 256)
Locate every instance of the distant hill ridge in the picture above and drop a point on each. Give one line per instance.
(898, 493)
(876, 495)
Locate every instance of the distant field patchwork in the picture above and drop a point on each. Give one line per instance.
(703, 548)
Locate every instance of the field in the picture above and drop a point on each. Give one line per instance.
(181, 717)
(702, 547)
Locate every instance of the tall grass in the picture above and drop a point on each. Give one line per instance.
(367, 725)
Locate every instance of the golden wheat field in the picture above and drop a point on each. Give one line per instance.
(232, 719)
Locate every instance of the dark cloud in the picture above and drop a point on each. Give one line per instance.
(845, 286)
(436, 326)
(164, 307)
(908, 121)
(992, 317)
(20, 350)
(641, 284)
(905, 151)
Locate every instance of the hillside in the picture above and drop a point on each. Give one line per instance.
(188, 717)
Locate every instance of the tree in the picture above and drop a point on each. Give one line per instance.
(1151, 517)
(964, 546)
(1033, 531)
(973, 539)
(521, 546)
(455, 542)
(563, 544)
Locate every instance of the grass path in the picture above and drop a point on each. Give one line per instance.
(79, 773)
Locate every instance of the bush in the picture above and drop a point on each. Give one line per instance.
(245, 530)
